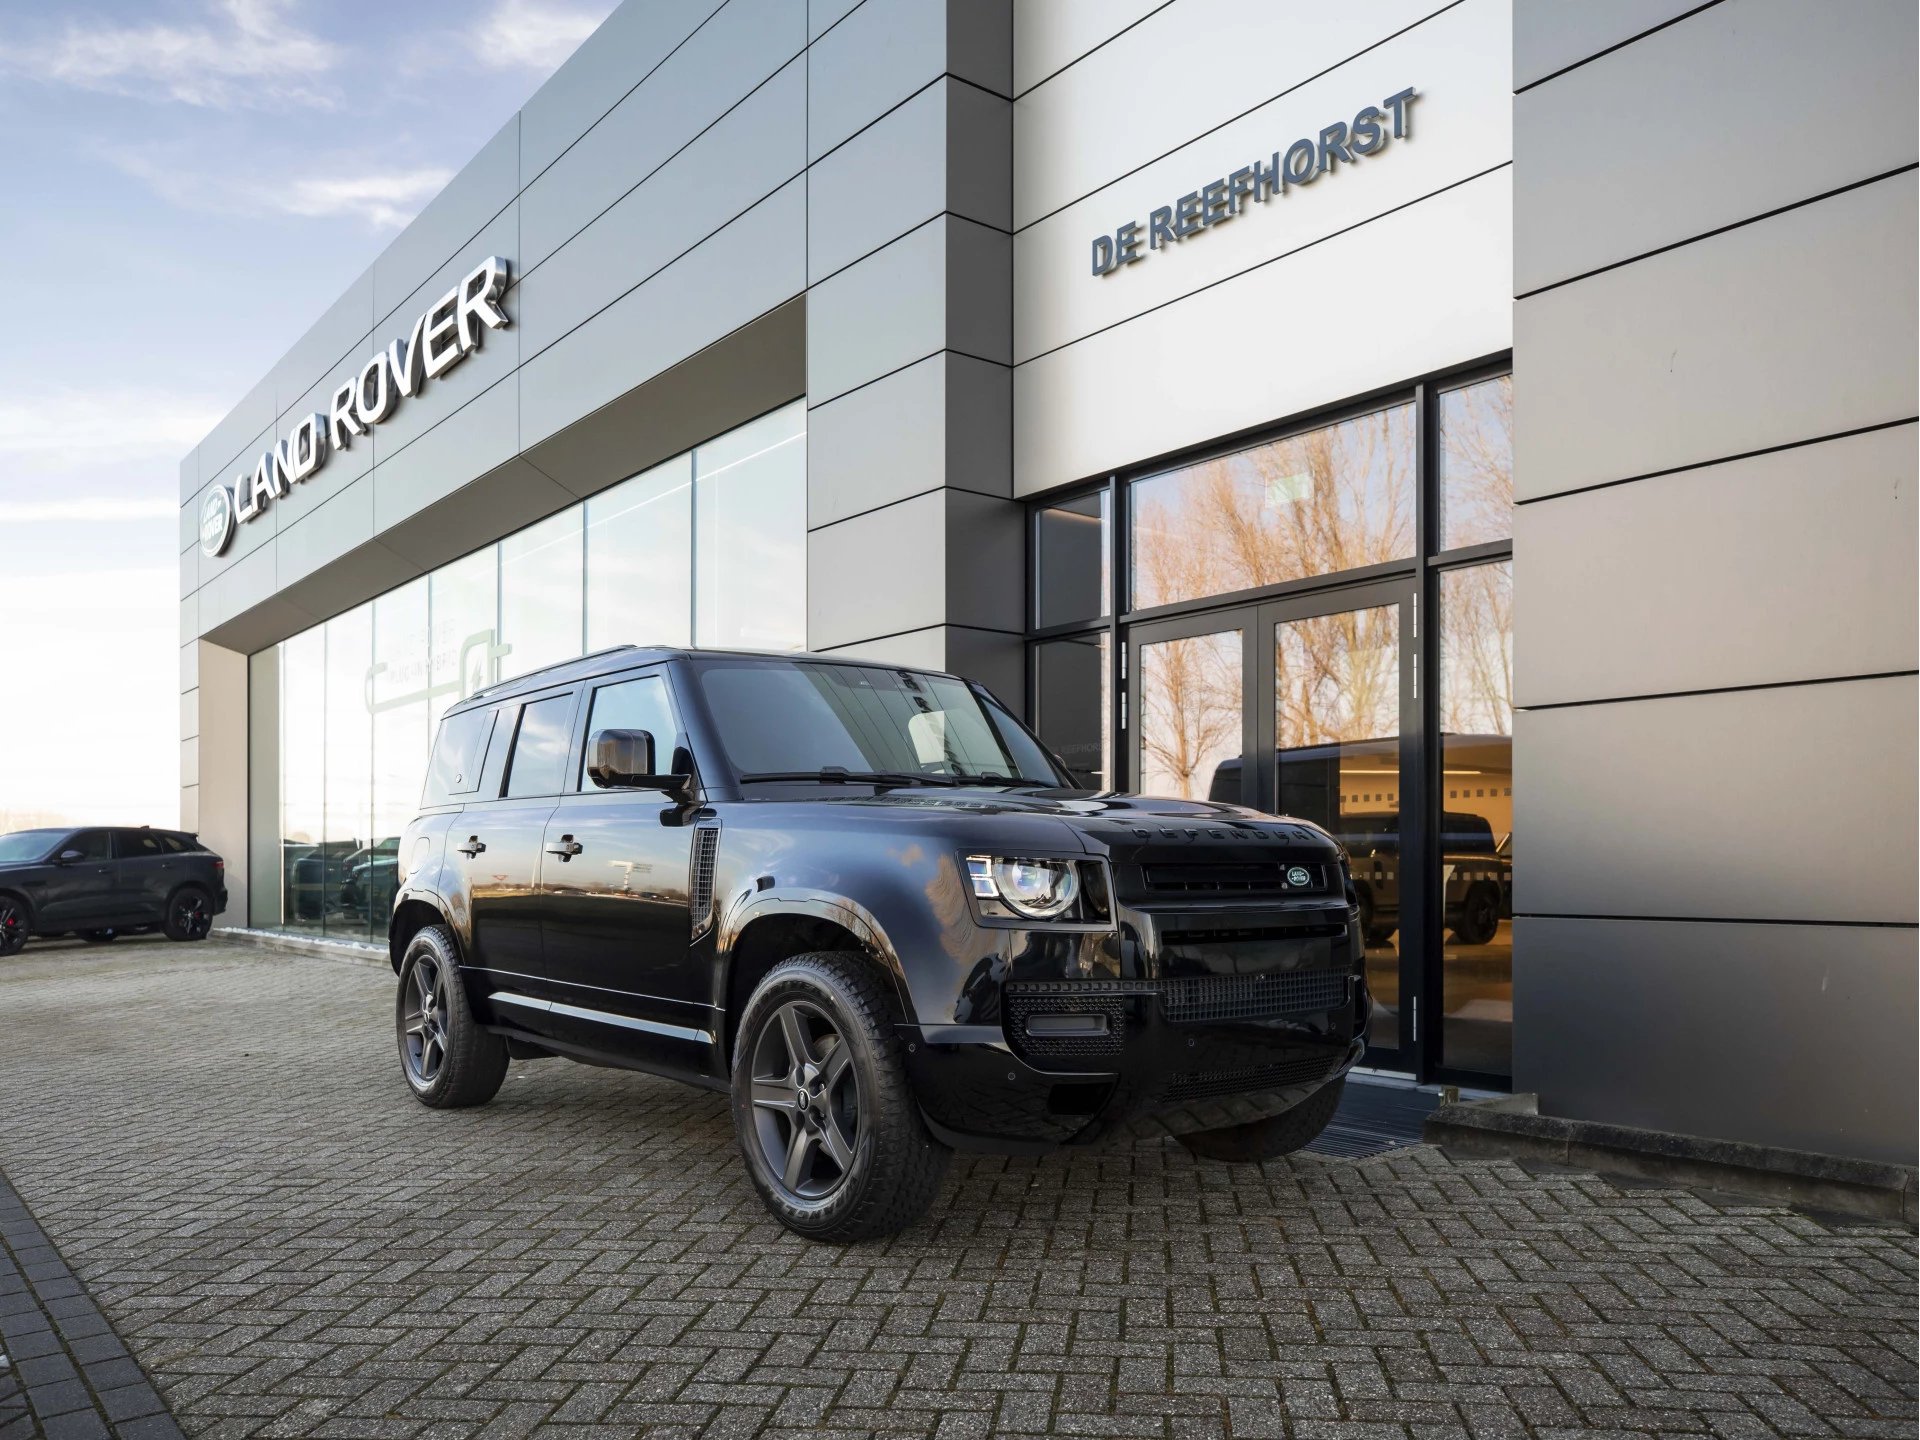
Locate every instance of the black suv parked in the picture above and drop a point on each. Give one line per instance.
(867, 903)
(100, 883)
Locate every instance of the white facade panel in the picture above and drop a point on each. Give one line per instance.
(1049, 35)
(1460, 125)
(1412, 292)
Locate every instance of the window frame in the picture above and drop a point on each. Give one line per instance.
(521, 704)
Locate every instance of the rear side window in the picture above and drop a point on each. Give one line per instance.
(539, 761)
(459, 756)
(136, 844)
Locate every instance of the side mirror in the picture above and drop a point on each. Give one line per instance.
(72, 857)
(623, 759)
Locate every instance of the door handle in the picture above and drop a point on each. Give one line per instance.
(473, 846)
(567, 848)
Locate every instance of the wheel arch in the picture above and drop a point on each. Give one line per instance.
(20, 897)
(768, 933)
(410, 917)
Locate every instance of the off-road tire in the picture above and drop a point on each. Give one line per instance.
(1479, 914)
(897, 1165)
(475, 1060)
(1271, 1138)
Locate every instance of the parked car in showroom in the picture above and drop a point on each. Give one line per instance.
(1477, 874)
(101, 882)
(865, 902)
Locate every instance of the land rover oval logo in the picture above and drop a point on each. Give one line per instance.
(216, 521)
(1298, 878)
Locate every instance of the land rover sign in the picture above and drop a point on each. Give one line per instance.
(441, 338)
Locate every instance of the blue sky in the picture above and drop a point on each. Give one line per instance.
(184, 186)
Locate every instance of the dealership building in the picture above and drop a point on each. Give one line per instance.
(1486, 428)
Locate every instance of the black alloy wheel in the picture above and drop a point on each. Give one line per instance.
(423, 1024)
(448, 1060)
(806, 1100)
(1479, 914)
(189, 914)
(14, 925)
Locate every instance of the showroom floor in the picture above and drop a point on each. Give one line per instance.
(216, 1140)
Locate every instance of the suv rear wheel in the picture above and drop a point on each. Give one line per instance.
(830, 1132)
(448, 1060)
(1271, 1138)
(189, 914)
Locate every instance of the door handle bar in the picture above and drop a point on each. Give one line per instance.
(473, 846)
(567, 848)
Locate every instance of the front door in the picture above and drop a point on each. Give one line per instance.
(614, 894)
(82, 891)
(1301, 708)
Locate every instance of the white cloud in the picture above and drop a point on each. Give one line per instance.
(65, 429)
(535, 34)
(247, 54)
(388, 200)
(87, 509)
(383, 200)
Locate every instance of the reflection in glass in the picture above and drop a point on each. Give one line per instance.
(640, 559)
(349, 771)
(538, 762)
(1476, 463)
(1476, 742)
(397, 688)
(303, 769)
(750, 535)
(1071, 553)
(1073, 705)
(1190, 716)
(463, 600)
(1331, 499)
(541, 594)
(1337, 719)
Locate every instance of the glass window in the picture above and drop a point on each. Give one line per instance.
(464, 602)
(539, 761)
(137, 844)
(1190, 730)
(349, 774)
(542, 597)
(750, 535)
(1327, 500)
(92, 845)
(1476, 859)
(1476, 463)
(398, 689)
(1074, 704)
(24, 845)
(459, 756)
(638, 704)
(303, 768)
(640, 559)
(804, 718)
(1072, 548)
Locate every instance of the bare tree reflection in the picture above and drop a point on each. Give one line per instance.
(1476, 463)
(1190, 721)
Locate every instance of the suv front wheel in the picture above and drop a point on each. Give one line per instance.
(830, 1132)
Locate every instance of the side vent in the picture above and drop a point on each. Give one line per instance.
(706, 846)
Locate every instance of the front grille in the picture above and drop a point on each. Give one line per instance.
(1265, 877)
(1251, 935)
(1254, 997)
(1206, 1084)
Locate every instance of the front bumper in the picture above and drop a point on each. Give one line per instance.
(1210, 1017)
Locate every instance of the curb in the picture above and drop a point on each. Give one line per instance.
(352, 952)
(1511, 1126)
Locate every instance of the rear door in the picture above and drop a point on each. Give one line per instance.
(148, 871)
(614, 891)
(80, 893)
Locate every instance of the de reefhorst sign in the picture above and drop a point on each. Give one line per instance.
(1218, 201)
(441, 338)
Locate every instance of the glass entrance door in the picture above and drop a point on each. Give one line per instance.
(1301, 708)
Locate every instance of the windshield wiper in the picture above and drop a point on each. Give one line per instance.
(840, 775)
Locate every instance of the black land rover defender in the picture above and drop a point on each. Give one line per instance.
(865, 902)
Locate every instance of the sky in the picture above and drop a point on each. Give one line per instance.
(185, 185)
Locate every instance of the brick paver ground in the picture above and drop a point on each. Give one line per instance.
(219, 1143)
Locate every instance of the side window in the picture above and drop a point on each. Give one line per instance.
(459, 756)
(640, 704)
(137, 844)
(92, 845)
(539, 761)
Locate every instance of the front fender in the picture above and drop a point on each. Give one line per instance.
(806, 902)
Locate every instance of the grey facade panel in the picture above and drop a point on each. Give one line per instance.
(743, 44)
(474, 514)
(190, 473)
(878, 574)
(757, 147)
(344, 466)
(986, 543)
(1549, 35)
(746, 269)
(1579, 154)
(325, 533)
(1791, 328)
(190, 665)
(333, 341)
(1787, 566)
(1792, 1035)
(483, 434)
(1794, 803)
(881, 53)
(238, 434)
(248, 536)
(823, 15)
(875, 317)
(634, 39)
(887, 180)
(482, 189)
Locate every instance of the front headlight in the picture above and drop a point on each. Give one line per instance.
(1034, 889)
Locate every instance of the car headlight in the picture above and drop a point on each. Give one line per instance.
(1034, 889)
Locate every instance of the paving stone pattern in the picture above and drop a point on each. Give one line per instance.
(220, 1144)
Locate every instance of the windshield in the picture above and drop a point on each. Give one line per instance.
(799, 719)
(27, 845)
